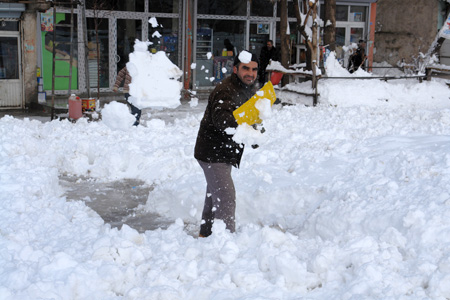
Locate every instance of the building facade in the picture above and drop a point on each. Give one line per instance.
(195, 34)
(405, 28)
(11, 45)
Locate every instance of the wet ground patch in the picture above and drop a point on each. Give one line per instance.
(117, 202)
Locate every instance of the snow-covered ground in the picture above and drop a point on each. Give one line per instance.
(346, 200)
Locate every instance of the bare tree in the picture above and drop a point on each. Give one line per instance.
(308, 27)
(308, 30)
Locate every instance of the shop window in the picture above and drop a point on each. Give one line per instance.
(120, 5)
(213, 55)
(259, 35)
(9, 58)
(340, 36)
(98, 53)
(291, 11)
(342, 13)
(357, 13)
(261, 8)
(127, 32)
(220, 7)
(340, 43)
(9, 25)
(161, 6)
(356, 34)
(168, 42)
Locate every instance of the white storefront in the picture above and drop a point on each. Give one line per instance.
(11, 81)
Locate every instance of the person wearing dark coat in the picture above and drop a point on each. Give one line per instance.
(215, 149)
(358, 58)
(229, 46)
(268, 52)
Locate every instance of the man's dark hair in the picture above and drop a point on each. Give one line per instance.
(270, 41)
(237, 61)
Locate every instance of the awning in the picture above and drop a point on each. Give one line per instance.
(11, 10)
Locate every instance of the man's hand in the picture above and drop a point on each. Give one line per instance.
(259, 127)
(115, 89)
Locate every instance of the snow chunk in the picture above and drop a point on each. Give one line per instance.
(247, 135)
(245, 57)
(117, 116)
(153, 22)
(154, 79)
(156, 34)
(265, 108)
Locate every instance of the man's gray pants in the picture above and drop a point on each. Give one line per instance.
(220, 200)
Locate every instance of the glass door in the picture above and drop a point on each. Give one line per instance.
(127, 32)
(345, 36)
(259, 35)
(98, 54)
(217, 42)
(10, 76)
(350, 28)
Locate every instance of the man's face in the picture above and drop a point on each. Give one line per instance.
(247, 72)
(269, 45)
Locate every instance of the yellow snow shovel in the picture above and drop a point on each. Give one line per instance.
(247, 112)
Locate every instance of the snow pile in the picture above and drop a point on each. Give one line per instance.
(334, 69)
(154, 78)
(376, 92)
(277, 66)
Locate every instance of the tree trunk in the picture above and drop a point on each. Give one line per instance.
(314, 50)
(284, 37)
(330, 24)
(97, 43)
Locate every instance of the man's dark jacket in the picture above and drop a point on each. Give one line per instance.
(358, 58)
(266, 55)
(213, 144)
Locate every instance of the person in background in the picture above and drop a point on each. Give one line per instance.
(268, 52)
(229, 46)
(358, 58)
(215, 149)
(124, 77)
